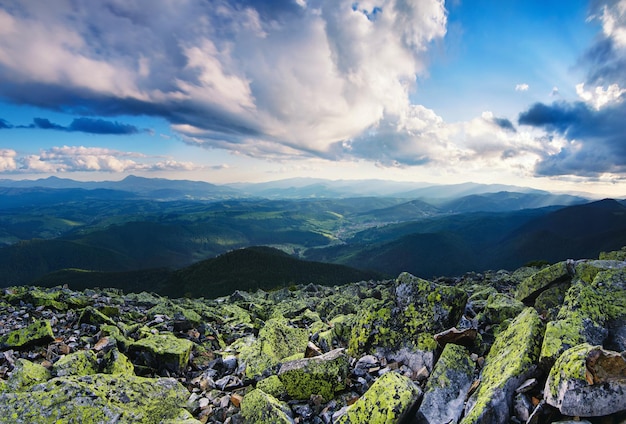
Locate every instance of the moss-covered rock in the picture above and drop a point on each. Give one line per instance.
(36, 334)
(408, 321)
(447, 387)
(25, 375)
(115, 362)
(94, 399)
(321, 375)
(389, 400)
(258, 407)
(162, 352)
(510, 361)
(83, 362)
(531, 287)
(587, 381)
(277, 341)
(588, 308)
(272, 386)
(91, 315)
(617, 255)
(498, 308)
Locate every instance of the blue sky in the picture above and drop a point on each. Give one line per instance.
(520, 92)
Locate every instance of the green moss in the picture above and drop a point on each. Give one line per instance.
(387, 401)
(454, 360)
(91, 315)
(117, 363)
(322, 375)
(83, 362)
(272, 386)
(258, 407)
(276, 342)
(498, 308)
(114, 332)
(512, 357)
(618, 255)
(25, 375)
(36, 334)
(162, 351)
(372, 328)
(94, 399)
(570, 365)
(533, 285)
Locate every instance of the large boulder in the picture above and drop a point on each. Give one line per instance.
(403, 327)
(95, 398)
(257, 407)
(25, 375)
(510, 361)
(588, 381)
(530, 288)
(83, 362)
(388, 400)
(595, 299)
(161, 352)
(447, 387)
(277, 341)
(39, 333)
(320, 375)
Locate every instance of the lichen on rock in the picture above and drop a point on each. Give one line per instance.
(258, 407)
(83, 362)
(388, 400)
(321, 375)
(162, 352)
(37, 333)
(25, 375)
(511, 360)
(587, 381)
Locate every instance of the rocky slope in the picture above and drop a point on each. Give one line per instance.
(534, 346)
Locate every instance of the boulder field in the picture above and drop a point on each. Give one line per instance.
(537, 345)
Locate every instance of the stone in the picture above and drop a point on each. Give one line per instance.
(162, 352)
(464, 337)
(531, 287)
(588, 381)
(594, 300)
(447, 387)
(511, 361)
(389, 400)
(25, 375)
(272, 386)
(258, 407)
(320, 375)
(499, 308)
(83, 362)
(91, 315)
(277, 341)
(116, 362)
(95, 398)
(39, 333)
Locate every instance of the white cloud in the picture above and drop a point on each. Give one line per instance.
(522, 87)
(614, 22)
(7, 159)
(92, 159)
(601, 96)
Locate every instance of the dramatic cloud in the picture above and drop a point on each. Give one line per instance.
(88, 125)
(277, 79)
(4, 124)
(80, 158)
(594, 127)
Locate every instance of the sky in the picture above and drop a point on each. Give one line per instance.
(523, 92)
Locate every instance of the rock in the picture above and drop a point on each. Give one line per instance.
(276, 342)
(95, 398)
(594, 300)
(499, 308)
(463, 337)
(272, 386)
(588, 381)
(91, 315)
(552, 275)
(403, 327)
(321, 375)
(162, 352)
(36, 334)
(447, 388)
(511, 360)
(117, 363)
(389, 400)
(83, 362)
(258, 407)
(25, 375)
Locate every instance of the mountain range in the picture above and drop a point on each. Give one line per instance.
(154, 230)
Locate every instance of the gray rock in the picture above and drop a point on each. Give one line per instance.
(447, 388)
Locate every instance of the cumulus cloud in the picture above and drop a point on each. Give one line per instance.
(90, 159)
(522, 87)
(593, 127)
(279, 78)
(7, 160)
